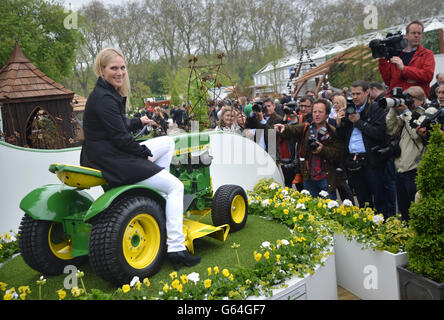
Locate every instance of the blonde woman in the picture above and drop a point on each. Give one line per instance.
(110, 147)
(339, 104)
(228, 122)
(160, 120)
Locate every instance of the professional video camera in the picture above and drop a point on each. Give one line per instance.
(389, 47)
(397, 97)
(426, 118)
(291, 107)
(259, 106)
(350, 108)
(313, 139)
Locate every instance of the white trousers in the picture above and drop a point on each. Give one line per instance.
(162, 149)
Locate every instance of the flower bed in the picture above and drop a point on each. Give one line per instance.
(312, 221)
(8, 247)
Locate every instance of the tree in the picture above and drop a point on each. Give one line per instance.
(38, 26)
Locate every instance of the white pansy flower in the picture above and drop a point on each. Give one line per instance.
(378, 219)
(333, 204)
(300, 206)
(285, 242)
(323, 194)
(194, 276)
(266, 202)
(284, 192)
(273, 186)
(306, 192)
(134, 281)
(347, 203)
(266, 245)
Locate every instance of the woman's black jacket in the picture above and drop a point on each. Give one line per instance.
(109, 145)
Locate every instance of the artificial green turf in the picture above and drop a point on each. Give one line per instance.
(16, 273)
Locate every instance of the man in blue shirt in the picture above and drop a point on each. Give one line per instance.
(362, 131)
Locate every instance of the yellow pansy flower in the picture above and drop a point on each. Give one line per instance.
(76, 291)
(175, 283)
(225, 272)
(207, 283)
(286, 211)
(126, 288)
(257, 256)
(216, 270)
(209, 270)
(166, 287)
(61, 293)
(146, 282)
(173, 275)
(184, 278)
(267, 255)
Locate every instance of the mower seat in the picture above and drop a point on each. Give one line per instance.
(77, 176)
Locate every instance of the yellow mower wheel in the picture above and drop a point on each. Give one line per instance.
(230, 206)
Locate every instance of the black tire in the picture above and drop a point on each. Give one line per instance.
(38, 240)
(224, 202)
(113, 235)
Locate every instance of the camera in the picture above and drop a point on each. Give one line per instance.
(350, 108)
(392, 149)
(397, 97)
(389, 47)
(259, 106)
(289, 164)
(291, 107)
(416, 115)
(426, 118)
(312, 140)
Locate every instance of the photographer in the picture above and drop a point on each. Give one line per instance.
(410, 144)
(262, 119)
(362, 127)
(414, 66)
(289, 160)
(305, 105)
(432, 115)
(320, 152)
(377, 93)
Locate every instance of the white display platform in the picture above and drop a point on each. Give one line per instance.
(319, 286)
(368, 274)
(237, 160)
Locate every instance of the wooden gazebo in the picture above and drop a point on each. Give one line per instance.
(36, 111)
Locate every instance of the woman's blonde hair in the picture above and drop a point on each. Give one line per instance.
(341, 100)
(102, 59)
(221, 122)
(159, 109)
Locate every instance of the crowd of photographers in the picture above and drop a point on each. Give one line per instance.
(364, 143)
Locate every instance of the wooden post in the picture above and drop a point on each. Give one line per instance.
(441, 40)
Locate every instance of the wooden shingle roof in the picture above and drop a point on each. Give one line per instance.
(21, 81)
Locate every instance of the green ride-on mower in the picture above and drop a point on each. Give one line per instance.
(123, 231)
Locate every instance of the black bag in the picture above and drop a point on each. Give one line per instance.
(355, 162)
